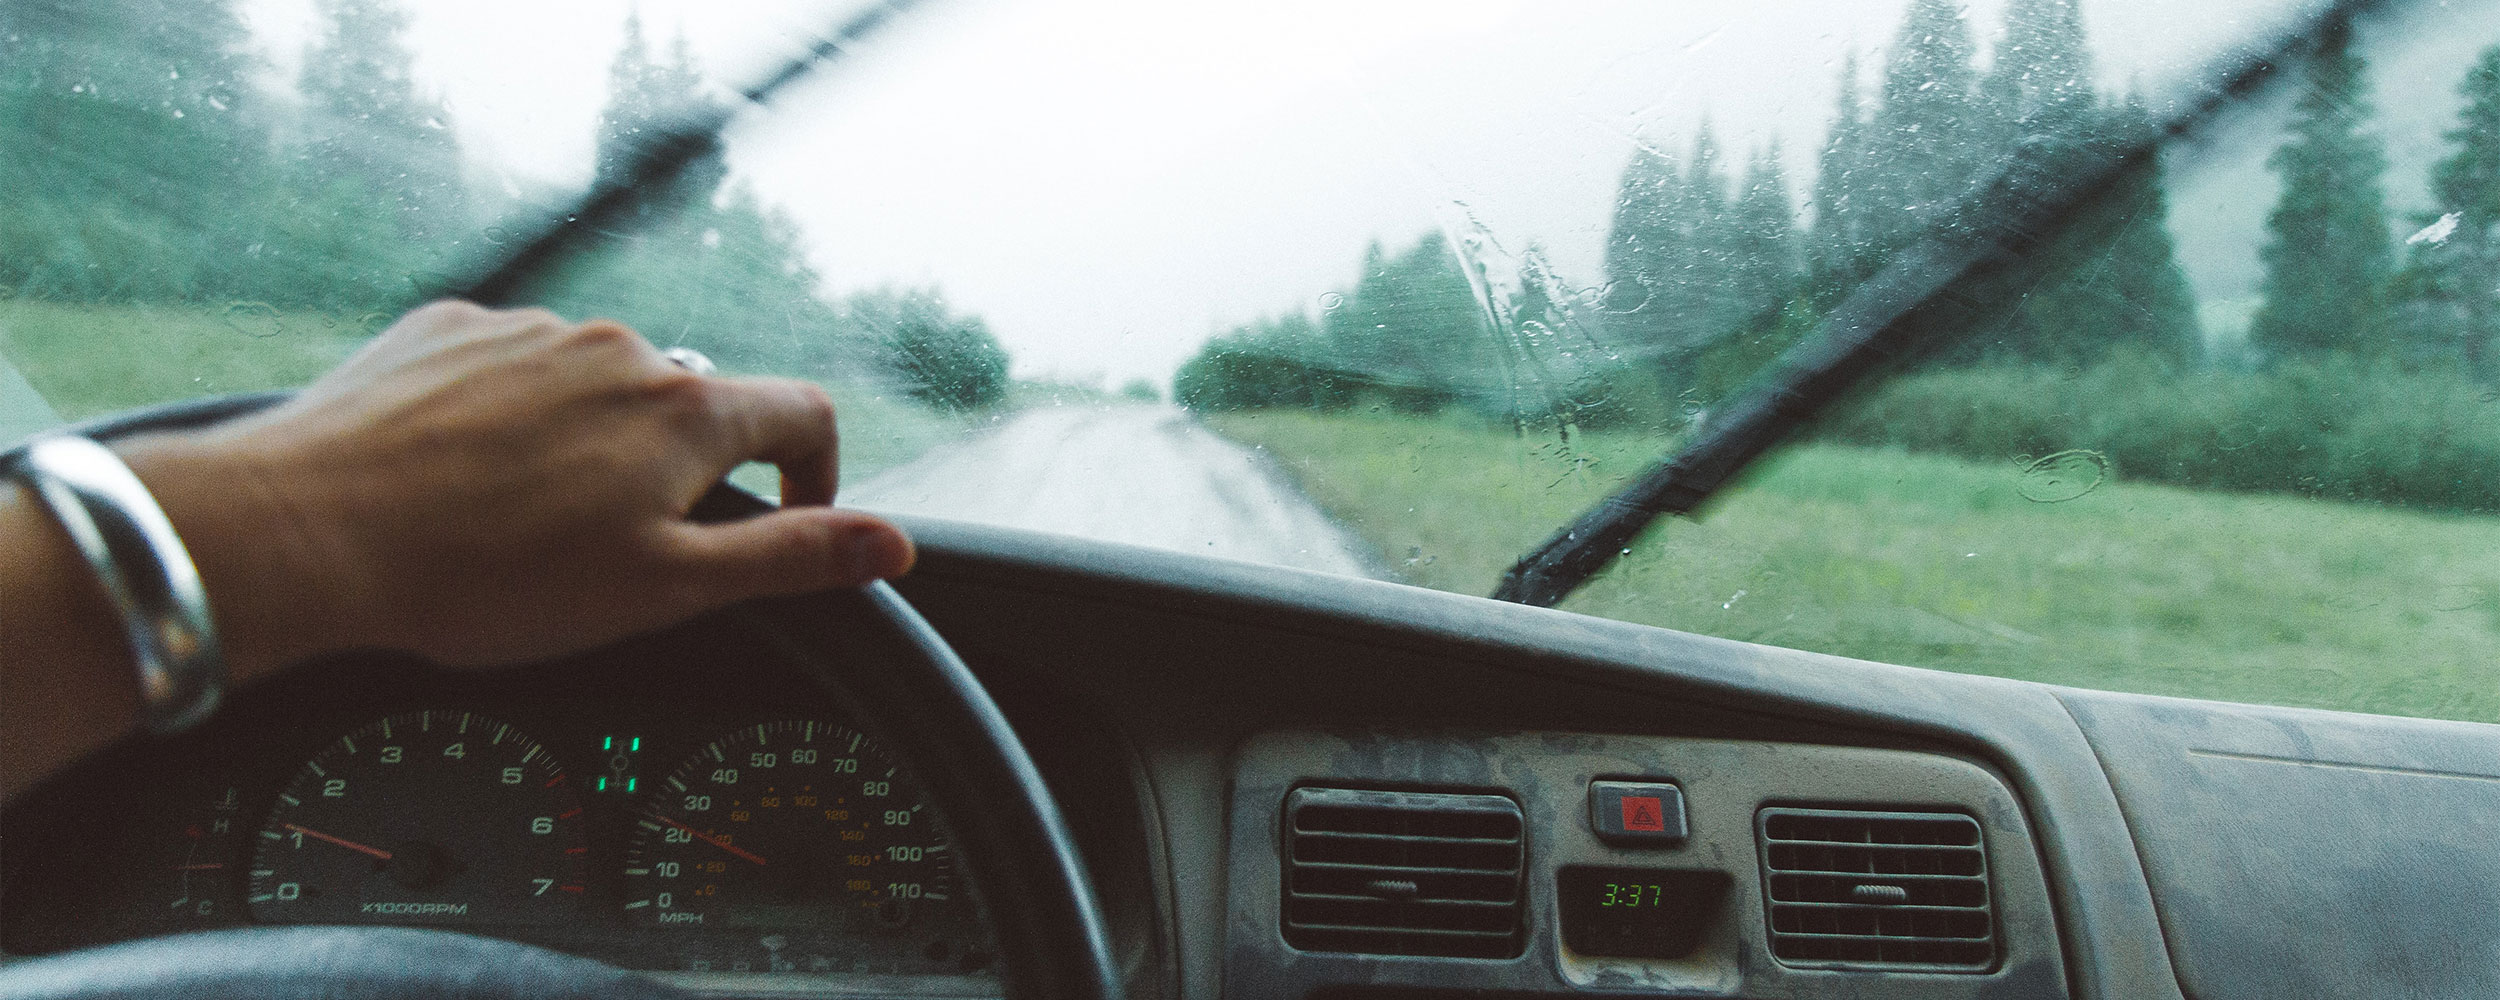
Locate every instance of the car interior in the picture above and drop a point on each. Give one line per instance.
(1043, 765)
(1286, 784)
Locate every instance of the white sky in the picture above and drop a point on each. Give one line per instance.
(1108, 182)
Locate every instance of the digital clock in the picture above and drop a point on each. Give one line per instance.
(1638, 912)
(1632, 895)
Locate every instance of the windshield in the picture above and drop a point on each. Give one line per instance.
(1399, 290)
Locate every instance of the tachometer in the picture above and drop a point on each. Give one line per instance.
(436, 817)
(788, 825)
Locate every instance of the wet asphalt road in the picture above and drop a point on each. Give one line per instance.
(1139, 474)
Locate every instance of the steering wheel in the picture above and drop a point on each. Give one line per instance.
(1016, 848)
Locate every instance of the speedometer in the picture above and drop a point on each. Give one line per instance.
(797, 826)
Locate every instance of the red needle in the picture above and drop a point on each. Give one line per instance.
(341, 841)
(709, 839)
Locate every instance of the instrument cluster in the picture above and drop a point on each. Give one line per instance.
(678, 834)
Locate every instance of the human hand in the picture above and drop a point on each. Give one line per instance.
(485, 487)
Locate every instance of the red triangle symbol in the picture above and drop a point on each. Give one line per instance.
(1642, 813)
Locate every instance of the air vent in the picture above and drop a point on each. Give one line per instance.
(1877, 889)
(1402, 873)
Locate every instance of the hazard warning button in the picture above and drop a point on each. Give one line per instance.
(1637, 812)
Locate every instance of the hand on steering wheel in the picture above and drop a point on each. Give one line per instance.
(484, 487)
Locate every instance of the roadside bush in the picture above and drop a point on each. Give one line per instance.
(1247, 373)
(940, 358)
(2337, 428)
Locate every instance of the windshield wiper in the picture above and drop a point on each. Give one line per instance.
(2027, 203)
(652, 169)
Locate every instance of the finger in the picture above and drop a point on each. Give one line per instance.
(442, 314)
(793, 550)
(788, 423)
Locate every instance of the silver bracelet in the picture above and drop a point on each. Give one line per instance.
(147, 574)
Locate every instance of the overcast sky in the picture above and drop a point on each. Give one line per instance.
(1109, 182)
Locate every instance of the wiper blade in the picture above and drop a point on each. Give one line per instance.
(654, 168)
(2029, 202)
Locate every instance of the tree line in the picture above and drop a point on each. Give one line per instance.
(1714, 265)
(1708, 270)
(148, 164)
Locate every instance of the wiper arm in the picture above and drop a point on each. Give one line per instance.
(654, 167)
(2029, 202)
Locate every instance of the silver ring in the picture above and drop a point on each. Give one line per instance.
(690, 359)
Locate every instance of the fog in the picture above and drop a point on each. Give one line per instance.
(1109, 182)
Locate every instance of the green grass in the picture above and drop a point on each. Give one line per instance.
(1941, 562)
(87, 360)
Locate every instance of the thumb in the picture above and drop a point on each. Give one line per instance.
(795, 550)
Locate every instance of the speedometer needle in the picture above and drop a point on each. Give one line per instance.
(718, 842)
(341, 841)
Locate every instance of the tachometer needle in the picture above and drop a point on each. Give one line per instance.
(710, 839)
(341, 841)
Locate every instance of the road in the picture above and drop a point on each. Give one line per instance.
(22, 409)
(1139, 474)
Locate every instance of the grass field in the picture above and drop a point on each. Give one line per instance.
(87, 360)
(1945, 563)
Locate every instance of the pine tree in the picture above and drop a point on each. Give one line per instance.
(1703, 304)
(2328, 257)
(1543, 335)
(2142, 294)
(635, 103)
(2452, 279)
(709, 265)
(1414, 329)
(1766, 267)
(1671, 257)
(1641, 247)
(1765, 273)
(1352, 327)
(370, 127)
(647, 97)
(1438, 327)
(1922, 140)
(1534, 310)
(1840, 254)
(2110, 276)
(2039, 82)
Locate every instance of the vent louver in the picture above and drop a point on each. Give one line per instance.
(1403, 873)
(1876, 889)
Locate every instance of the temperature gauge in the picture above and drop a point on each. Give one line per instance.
(205, 862)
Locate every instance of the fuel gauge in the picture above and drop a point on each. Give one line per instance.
(203, 885)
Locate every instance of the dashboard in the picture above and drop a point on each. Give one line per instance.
(1289, 785)
(682, 804)
(1559, 862)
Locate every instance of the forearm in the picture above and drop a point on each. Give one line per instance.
(474, 487)
(68, 678)
(67, 681)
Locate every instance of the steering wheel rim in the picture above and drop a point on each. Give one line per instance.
(1016, 847)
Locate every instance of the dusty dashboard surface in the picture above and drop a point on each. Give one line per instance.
(1401, 864)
